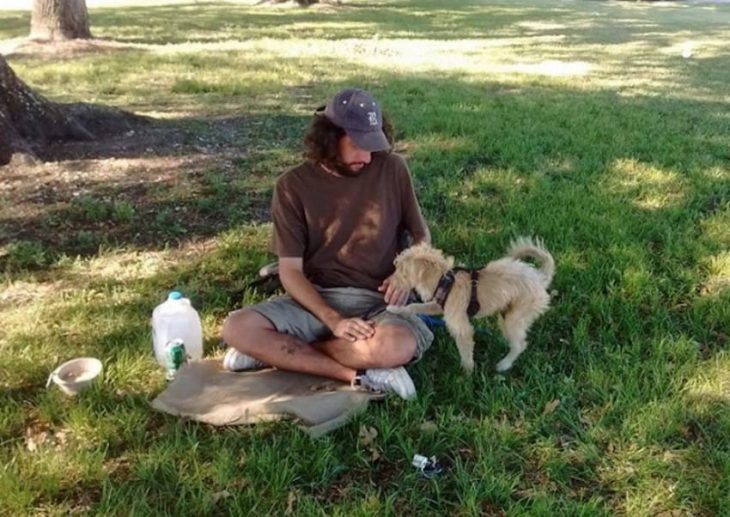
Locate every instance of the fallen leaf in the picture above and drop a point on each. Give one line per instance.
(223, 494)
(239, 484)
(527, 493)
(550, 407)
(290, 503)
(671, 513)
(586, 419)
(428, 426)
(466, 452)
(566, 441)
(373, 501)
(367, 435)
(518, 426)
(36, 435)
(61, 438)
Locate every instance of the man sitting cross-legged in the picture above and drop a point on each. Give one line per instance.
(337, 221)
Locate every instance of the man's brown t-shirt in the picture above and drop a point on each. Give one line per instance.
(346, 229)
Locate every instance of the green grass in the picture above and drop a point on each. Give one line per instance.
(579, 122)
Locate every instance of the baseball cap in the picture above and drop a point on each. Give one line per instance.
(358, 113)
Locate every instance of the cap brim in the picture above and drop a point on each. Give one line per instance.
(372, 141)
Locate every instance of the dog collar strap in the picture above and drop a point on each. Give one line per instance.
(446, 282)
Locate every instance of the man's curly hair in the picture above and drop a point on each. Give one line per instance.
(322, 139)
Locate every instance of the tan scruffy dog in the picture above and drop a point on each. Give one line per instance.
(507, 286)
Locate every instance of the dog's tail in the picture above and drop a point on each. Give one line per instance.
(526, 247)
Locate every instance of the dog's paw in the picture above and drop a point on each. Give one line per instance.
(504, 365)
(468, 367)
(397, 309)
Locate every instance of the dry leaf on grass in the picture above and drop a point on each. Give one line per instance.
(550, 407)
(428, 426)
(36, 435)
(223, 494)
(290, 501)
(367, 437)
(566, 441)
(587, 419)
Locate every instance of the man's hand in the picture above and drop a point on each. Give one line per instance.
(354, 329)
(392, 295)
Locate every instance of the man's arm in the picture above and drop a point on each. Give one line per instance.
(414, 223)
(291, 273)
(413, 220)
(426, 236)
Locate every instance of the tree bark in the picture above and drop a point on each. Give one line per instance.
(29, 121)
(55, 20)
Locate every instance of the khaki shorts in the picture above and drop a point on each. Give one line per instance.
(288, 317)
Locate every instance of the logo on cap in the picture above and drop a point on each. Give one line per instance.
(373, 118)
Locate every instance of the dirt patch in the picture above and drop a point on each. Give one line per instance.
(151, 186)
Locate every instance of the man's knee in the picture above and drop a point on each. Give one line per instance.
(394, 345)
(241, 324)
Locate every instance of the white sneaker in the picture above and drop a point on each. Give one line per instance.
(387, 380)
(235, 361)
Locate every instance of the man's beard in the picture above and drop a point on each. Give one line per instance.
(343, 169)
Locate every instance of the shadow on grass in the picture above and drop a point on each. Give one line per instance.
(174, 181)
(194, 178)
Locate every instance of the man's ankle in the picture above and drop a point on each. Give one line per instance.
(357, 378)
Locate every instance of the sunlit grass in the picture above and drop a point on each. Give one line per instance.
(221, 51)
(580, 122)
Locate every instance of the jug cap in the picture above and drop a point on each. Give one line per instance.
(174, 295)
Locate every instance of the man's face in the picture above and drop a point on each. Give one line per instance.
(352, 158)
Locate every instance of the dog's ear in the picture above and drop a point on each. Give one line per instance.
(415, 269)
(404, 265)
(423, 267)
(427, 266)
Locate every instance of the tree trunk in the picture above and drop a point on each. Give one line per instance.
(59, 20)
(29, 121)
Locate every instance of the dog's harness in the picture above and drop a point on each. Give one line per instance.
(446, 282)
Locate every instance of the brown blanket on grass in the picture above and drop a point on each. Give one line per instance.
(203, 391)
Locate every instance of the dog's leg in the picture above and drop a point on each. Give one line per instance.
(463, 333)
(514, 327)
(431, 308)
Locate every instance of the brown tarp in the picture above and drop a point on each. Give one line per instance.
(203, 391)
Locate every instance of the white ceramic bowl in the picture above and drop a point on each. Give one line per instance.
(76, 374)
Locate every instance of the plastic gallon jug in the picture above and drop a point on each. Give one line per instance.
(176, 319)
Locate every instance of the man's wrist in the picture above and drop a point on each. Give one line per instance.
(332, 319)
